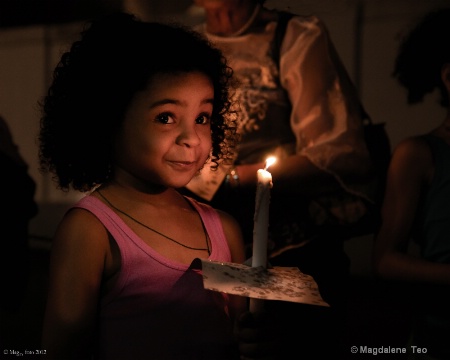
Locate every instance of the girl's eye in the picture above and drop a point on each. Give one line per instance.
(203, 119)
(165, 118)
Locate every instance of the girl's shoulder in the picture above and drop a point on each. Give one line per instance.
(79, 227)
(81, 234)
(413, 157)
(414, 146)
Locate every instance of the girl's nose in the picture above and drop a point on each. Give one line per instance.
(188, 137)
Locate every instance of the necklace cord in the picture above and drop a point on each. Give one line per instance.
(156, 231)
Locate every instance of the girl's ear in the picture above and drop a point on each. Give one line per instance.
(445, 76)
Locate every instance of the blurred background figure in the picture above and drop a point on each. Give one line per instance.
(297, 102)
(417, 200)
(19, 208)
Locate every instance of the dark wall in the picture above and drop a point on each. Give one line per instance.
(14, 13)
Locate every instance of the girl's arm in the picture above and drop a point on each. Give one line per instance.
(410, 171)
(78, 258)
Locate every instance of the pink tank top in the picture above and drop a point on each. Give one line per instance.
(158, 308)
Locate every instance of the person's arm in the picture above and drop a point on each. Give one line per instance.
(326, 116)
(409, 171)
(294, 174)
(77, 264)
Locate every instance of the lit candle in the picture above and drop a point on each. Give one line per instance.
(261, 223)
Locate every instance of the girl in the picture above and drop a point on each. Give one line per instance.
(134, 111)
(416, 205)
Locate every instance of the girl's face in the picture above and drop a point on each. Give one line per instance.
(166, 136)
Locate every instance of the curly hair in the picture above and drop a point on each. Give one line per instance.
(95, 81)
(421, 56)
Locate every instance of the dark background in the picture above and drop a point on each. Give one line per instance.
(14, 13)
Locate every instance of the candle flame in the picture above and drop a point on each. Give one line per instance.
(270, 161)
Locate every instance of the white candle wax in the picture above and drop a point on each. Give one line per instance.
(261, 225)
(261, 218)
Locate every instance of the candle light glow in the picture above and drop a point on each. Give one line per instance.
(270, 161)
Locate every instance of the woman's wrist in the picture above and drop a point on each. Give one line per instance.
(232, 178)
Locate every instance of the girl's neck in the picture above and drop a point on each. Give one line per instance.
(126, 194)
(443, 130)
(127, 185)
(446, 123)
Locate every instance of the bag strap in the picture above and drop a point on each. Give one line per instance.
(283, 19)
